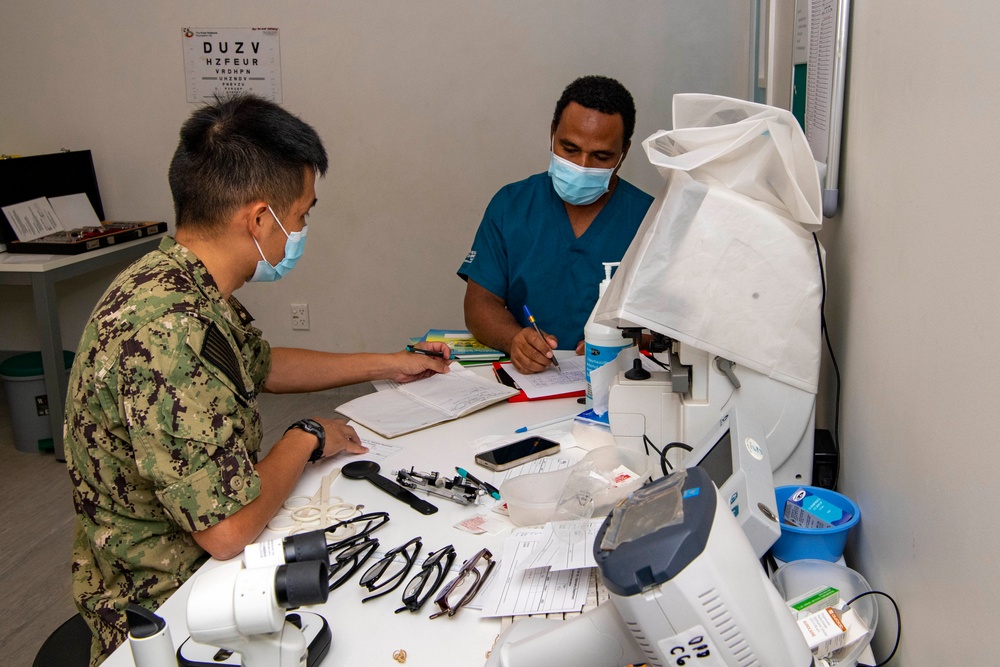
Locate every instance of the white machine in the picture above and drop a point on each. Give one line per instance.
(686, 589)
(242, 611)
(687, 402)
(725, 270)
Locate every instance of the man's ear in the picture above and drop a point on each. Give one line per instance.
(254, 217)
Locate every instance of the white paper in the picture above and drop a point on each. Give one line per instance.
(74, 211)
(571, 376)
(536, 591)
(416, 405)
(565, 545)
(33, 219)
(455, 393)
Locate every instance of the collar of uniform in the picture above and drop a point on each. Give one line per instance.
(196, 269)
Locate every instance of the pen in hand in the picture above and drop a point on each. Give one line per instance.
(531, 318)
(427, 353)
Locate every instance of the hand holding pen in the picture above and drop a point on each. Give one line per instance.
(417, 363)
(526, 354)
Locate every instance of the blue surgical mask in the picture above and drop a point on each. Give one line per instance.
(295, 244)
(578, 185)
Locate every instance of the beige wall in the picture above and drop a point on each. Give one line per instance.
(427, 109)
(914, 313)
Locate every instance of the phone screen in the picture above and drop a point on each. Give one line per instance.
(529, 448)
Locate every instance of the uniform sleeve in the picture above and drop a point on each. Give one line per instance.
(188, 422)
(486, 262)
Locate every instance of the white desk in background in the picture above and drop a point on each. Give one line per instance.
(42, 272)
(368, 634)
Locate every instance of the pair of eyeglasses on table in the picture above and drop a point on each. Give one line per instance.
(461, 590)
(354, 546)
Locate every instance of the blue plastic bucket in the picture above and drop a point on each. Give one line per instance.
(820, 543)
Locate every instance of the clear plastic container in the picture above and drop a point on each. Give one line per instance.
(801, 576)
(533, 498)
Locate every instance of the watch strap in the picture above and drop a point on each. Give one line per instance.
(315, 428)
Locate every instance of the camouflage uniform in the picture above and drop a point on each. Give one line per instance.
(162, 433)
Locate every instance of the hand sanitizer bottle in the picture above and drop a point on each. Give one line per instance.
(603, 343)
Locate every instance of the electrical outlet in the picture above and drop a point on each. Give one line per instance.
(300, 316)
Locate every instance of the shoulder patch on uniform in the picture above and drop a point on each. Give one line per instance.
(471, 256)
(217, 350)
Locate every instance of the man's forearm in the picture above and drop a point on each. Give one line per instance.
(488, 319)
(296, 370)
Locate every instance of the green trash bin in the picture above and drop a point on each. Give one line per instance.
(24, 381)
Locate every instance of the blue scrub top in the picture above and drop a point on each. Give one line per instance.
(525, 252)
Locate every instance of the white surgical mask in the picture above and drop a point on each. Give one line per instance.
(295, 244)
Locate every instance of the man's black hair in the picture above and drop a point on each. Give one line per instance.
(239, 150)
(602, 94)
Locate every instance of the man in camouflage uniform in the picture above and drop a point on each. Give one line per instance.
(162, 427)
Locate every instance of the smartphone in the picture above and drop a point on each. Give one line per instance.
(516, 453)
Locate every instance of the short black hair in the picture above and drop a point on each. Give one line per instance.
(237, 150)
(599, 93)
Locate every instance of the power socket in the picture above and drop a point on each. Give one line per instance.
(300, 316)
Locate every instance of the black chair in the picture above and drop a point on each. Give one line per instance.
(67, 646)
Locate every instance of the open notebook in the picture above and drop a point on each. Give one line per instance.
(410, 407)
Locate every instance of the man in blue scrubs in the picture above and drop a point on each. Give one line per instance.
(543, 240)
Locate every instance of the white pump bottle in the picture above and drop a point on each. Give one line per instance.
(603, 343)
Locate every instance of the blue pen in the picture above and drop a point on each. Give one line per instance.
(490, 489)
(531, 318)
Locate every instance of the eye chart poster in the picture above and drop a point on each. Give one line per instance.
(226, 61)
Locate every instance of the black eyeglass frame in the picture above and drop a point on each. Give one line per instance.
(375, 520)
(468, 566)
(371, 578)
(356, 552)
(417, 592)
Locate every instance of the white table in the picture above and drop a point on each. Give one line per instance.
(42, 272)
(368, 634)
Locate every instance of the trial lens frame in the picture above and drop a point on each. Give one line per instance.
(417, 591)
(374, 577)
(468, 566)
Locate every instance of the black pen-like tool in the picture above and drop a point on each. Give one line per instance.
(490, 489)
(426, 353)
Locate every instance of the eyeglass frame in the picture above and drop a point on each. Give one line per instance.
(467, 566)
(414, 602)
(370, 517)
(377, 569)
(348, 553)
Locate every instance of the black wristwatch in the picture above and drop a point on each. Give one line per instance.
(314, 427)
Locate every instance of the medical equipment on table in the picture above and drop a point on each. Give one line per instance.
(369, 470)
(685, 587)
(724, 267)
(735, 456)
(457, 489)
(243, 611)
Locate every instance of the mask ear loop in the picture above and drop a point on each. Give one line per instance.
(305, 513)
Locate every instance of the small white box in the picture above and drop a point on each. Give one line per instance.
(824, 632)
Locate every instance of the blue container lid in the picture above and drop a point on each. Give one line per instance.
(29, 364)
